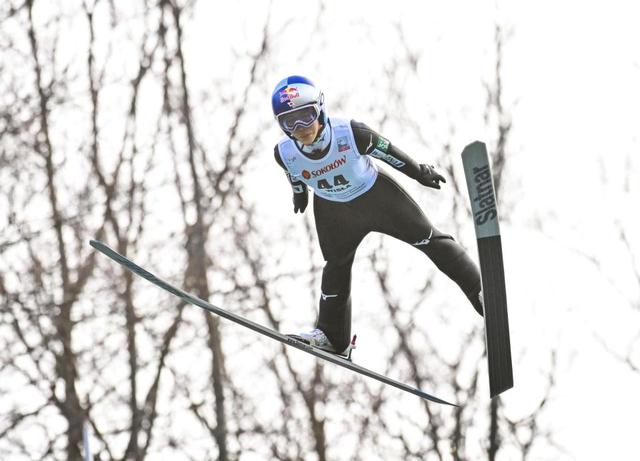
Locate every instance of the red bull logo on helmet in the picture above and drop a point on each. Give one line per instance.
(288, 94)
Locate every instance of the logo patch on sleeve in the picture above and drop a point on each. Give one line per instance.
(390, 159)
(383, 144)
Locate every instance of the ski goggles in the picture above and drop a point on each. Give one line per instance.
(302, 117)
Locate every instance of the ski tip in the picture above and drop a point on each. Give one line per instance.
(475, 144)
(475, 148)
(444, 402)
(433, 398)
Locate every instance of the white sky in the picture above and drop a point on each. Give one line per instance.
(571, 73)
(571, 83)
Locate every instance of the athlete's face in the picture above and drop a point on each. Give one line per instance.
(307, 135)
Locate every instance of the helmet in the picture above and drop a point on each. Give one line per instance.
(297, 102)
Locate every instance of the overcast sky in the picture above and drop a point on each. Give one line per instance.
(571, 83)
(571, 76)
(570, 73)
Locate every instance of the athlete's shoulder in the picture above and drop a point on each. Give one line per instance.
(359, 126)
(366, 138)
(277, 149)
(335, 121)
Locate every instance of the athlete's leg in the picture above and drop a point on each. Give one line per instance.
(334, 318)
(340, 231)
(449, 256)
(401, 217)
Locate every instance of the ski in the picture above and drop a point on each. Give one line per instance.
(285, 339)
(482, 194)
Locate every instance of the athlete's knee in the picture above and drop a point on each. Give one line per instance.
(439, 246)
(444, 245)
(339, 262)
(452, 259)
(445, 252)
(336, 274)
(431, 236)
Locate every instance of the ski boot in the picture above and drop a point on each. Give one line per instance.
(318, 339)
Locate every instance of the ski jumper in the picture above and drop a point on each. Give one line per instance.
(352, 198)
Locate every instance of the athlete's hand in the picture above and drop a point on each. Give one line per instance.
(430, 177)
(300, 201)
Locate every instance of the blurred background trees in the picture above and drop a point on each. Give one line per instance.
(147, 125)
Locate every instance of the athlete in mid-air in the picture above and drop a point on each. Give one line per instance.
(352, 197)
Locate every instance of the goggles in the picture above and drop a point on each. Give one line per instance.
(302, 117)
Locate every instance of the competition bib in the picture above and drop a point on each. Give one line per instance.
(341, 175)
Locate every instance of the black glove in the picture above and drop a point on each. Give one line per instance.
(429, 177)
(300, 201)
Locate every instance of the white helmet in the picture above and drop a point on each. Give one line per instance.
(297, 102)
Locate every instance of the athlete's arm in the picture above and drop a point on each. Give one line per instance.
(369, 142)
(300, 192)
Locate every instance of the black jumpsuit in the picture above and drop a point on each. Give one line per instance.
(385, 208)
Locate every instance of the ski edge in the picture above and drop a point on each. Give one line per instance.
(287, 340)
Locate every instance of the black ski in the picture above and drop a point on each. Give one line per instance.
(289, 341)
(482, 194)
